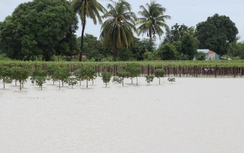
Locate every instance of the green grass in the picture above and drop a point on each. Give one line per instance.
(222, 63)
(4, 57)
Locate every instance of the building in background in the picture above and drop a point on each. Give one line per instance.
(210, 55)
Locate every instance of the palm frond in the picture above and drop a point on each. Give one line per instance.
(117, 30)
(152, 19)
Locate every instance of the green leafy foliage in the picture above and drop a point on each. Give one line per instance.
(39, 28)
(141, 46)
(122, 74)
(51, 70)
(148, 56)
(117, 30)
(93, 48)
(5, 75)
(152, 20)
(72, 80)
(176, 33)
(134, 70)
(159, 73)
(85, 73)
(19, 74)
(236, 49)
(61, 74)
(87, 9)
(216, 33)
(200, 56)
(184, 40)
(171, 79)
(4, 57)
(106, 77)
(168, 51)
(117, 79)
(39, 77)
(189, 46)
(79, 75)
(149, 78)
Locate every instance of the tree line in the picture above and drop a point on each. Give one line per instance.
(43, 29)
(63, 75)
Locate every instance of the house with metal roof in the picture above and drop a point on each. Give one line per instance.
(210, 55)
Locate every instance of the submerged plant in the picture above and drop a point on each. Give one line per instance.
(171, 79)
(106, 77)
(85, 73)
(134, 70)
(72, 80)
(159, 73)
(122, 74)
(5, 73)
(19, 74)
(39, 77)
(149, 78)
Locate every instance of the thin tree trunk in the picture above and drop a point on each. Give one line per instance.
(82, 39)
(3, 84)
(20, 85)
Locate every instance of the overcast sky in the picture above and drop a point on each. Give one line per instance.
(187, 12)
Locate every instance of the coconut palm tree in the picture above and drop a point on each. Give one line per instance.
(87, 9)
(117, 30)
(152, 20)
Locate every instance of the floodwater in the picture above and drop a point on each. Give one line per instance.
(203, 115)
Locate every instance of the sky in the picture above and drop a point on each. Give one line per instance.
(187, 12)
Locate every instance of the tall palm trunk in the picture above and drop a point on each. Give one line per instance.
(115, 53)
(150, 33)
(82, 39)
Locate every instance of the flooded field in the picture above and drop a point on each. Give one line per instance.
(203, 115)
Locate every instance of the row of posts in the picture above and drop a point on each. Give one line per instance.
(183, 71)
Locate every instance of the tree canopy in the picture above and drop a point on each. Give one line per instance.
(184, 40)
(39, 28)
(152, 19)
(216, 33)
(90, 9)
(167, 51)
(117, 30)
(175, 33)
(94, 49)
(44, 29)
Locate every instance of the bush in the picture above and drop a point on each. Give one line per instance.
(85, 73)
(5, 73)
(19, 74)
(122, 74)
(149, 78)
(159, 73)
(134, 70)
(106, 77)
(39, 77)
